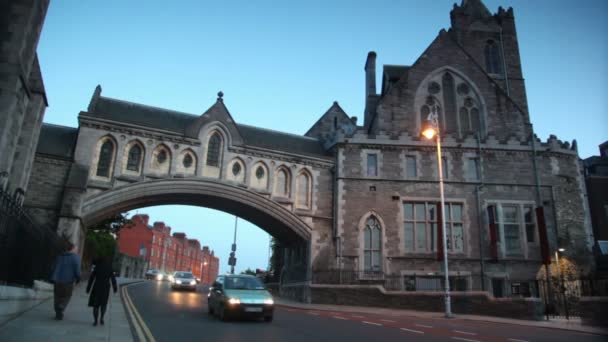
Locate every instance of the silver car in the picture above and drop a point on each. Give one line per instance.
(183, 280)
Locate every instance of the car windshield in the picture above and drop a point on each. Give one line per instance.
(243, 283)
(183, 275)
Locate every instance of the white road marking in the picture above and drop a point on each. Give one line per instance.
(516, 340)
(414, 331)
(313, 313)
(464, 332)
(372, 323)
(387, 320)
(423, 326)
(338, 317)
(464, 339)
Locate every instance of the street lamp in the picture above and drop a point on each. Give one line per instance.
(430, 130)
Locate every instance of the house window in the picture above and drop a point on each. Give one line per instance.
(410, 166)
(213, 150)
(509, 220)
(372, 248)
(372, 165)
(134, 159)
(420, 227)
(529, 222)
(492, 56)
(303, 190)
(472, 169)
(106, 154)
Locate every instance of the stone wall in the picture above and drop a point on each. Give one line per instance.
(471, 303)
(594, 310)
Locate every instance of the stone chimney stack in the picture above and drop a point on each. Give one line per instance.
(370, 74)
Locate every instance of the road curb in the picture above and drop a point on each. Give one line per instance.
(139, 329)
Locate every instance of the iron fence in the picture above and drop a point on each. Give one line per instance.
(27, 251)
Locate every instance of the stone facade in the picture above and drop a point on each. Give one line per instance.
(349, 197)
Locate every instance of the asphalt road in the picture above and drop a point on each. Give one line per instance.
(182, 316)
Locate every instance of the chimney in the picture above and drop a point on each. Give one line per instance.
(160, 226)
(370, 74)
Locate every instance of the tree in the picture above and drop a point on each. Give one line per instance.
(276, 261)
(248, 271)
(100, 241)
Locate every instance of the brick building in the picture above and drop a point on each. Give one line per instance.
(164, 251)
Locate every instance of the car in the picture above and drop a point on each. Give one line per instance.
(240, 295)
(151, 274)
(183, 280)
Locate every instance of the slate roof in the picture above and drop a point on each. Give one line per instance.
(177, 122)
(57, 140)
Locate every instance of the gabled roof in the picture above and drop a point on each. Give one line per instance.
(58, 141)
(334, 108)
(179, 123)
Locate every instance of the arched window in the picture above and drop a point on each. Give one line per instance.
(493, 60)
(106, 154)
(213, 150)
(134, 159)
(259, 176)
(372, 251)
(188, 160)
(236, 171)
(303, 191)
(282, 184)
(449, 102)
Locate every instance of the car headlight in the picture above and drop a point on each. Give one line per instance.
(268, 301)
(159, 277)
(234, 301)
(178, 281)
(171, 278)
(193, 282)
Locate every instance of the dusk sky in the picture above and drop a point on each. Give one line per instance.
(281, 65)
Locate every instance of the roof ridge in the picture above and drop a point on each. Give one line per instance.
(149, 106)
(275, 131)
(57, 125)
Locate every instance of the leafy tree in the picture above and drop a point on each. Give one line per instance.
(248, 271)
(276, 260)
(100, 241)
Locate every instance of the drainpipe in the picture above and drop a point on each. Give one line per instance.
(479, 211)
(336, 199)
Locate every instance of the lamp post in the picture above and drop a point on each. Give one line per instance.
(561, 280)
(430, 130)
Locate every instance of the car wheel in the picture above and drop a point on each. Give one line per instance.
(268, 319)
(222, 314)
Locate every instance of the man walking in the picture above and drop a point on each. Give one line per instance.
(65, 274)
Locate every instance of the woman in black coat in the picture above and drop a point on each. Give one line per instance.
(100, 280)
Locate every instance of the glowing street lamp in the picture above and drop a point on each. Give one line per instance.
(430, 130)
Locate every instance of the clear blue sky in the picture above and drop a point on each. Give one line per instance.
(281, 64)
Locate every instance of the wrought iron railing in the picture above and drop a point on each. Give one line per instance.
(27, 250)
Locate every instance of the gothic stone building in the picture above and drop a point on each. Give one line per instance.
(351, 196)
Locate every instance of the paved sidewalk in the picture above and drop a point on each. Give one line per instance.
(38, 324)
(573, 324)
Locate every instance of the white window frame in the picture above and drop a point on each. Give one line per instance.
(523, 239)
(431, 232)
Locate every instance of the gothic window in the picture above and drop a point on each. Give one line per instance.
(259, 176)
(236, 169)
(161, 157)
(281, 187)
(493, 58)
(187, 162)
(372, 251)
(430, 104)
(259, 173)
(303, 190)
(134, 159)
(213, 150)
(449, 102)
(106, 154)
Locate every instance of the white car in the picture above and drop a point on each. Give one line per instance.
(183, 280)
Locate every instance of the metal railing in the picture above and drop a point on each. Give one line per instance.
(27, 251)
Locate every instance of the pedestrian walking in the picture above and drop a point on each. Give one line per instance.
(65, 273)
(99, 287)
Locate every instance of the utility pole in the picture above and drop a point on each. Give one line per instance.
(232, 259)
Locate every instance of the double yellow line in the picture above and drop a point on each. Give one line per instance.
(143, 333)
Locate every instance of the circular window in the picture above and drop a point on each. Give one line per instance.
(434, 88)
(161, 157)
(259, 172)
(463, 89)
(187, 160)
(236, 169)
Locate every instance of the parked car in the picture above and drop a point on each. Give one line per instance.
(240, 295)
(151, 274)
(183, 280)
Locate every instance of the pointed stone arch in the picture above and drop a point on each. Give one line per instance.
(133, 158)
(282, 182)
(104, 158)
(214, 146)
(187, 162)
(372, 246)
(259, 178)
(467, 95)
(236, 170)
(160, 162)
(303, 196)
